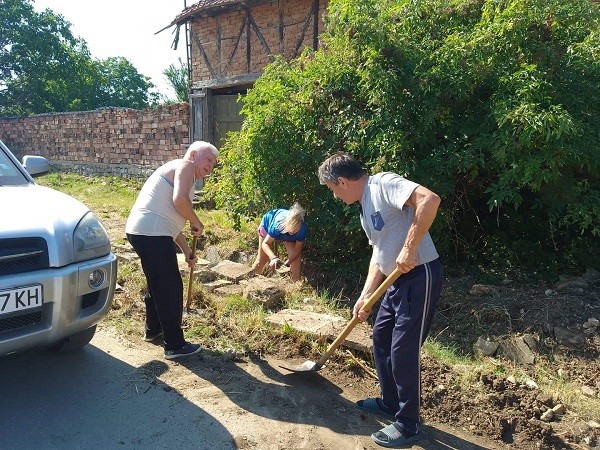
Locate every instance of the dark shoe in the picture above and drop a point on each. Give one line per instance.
(150, 337)
(187, 349)
(372, 406)
(392, 437)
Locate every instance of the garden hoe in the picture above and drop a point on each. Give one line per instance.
(191, 280)
(311, 366)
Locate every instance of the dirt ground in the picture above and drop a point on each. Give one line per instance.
(556, 316)
(491, 410)
(252, 403)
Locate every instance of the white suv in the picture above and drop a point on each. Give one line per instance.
(57, 273)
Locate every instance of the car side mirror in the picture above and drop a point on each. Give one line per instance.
(36, 165)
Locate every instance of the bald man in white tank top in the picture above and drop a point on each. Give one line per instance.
(157, 219)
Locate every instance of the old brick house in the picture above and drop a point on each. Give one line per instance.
(229, 43)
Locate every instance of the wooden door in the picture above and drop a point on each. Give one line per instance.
(227, 116)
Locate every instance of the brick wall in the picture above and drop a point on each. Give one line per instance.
(110, 141)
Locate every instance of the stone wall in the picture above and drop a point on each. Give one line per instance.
(109, 141)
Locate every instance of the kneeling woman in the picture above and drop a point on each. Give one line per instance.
(287, 226)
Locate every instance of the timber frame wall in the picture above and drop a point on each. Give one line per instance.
(230, 42)
(234, 44)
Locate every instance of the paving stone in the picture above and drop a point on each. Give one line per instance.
(591, 276)
(213, 285)
(230, 289)
(264, 291)
(324, 325)
(212, 253)
(232, 271)
(307, 321)
(567, 336)
(485, 346)
(183, 266)
(204, 275)
(483, 289)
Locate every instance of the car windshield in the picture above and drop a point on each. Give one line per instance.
(10, 175)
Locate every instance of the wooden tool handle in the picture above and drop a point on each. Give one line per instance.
(191, 280)
(367, 305)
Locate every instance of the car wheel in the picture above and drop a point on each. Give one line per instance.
(75, 341)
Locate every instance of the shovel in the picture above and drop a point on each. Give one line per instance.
(311, 366)
(191, 280)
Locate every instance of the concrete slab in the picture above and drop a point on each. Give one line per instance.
(185, 268)
(181, 261)
(264, 291)
(232, 271)
(230, 289)
(213, 285)
(204, 275)
(324, 325)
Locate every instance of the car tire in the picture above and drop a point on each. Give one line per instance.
(75, 341)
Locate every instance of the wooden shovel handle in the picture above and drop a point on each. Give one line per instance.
(191, 280)
(367, 305)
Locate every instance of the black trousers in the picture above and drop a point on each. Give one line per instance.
(164, 301)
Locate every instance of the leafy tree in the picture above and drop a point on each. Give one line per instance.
(122, 85)
(494, 104)
(44, 68)
(177, 76)
(26, 39)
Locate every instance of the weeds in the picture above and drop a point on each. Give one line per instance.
(101, 194)
(233, 322)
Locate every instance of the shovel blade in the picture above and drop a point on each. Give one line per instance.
(306, 366)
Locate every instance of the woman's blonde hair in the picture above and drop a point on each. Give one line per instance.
(292, 223)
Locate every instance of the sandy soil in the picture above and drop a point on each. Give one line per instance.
(262, 406)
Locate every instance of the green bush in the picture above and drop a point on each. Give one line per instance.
(495, 105)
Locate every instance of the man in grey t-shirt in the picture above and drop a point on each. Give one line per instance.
(396, 215)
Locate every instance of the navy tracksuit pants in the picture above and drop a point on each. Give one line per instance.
(401, 326)
(164, 301)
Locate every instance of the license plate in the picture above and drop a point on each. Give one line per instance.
(21, 298)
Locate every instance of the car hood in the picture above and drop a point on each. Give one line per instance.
(38, 211)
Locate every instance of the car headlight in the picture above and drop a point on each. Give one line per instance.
(90, 239)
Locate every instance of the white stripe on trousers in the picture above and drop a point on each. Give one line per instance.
(425, 310)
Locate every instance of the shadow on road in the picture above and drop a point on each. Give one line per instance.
(437, 438)
(92, 399)
(89, 399)
(303, 398)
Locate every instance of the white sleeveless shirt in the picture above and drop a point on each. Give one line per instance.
(154, 213)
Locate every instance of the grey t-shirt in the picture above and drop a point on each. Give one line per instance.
(386, 219)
